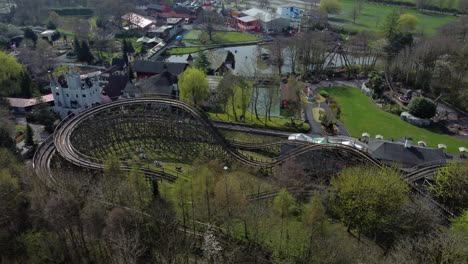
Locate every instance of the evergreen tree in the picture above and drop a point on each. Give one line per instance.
(85, 53)
(131, 75)
(26, 85)
(77, 47)
(29, 140)
(29, 34)
(202, 63)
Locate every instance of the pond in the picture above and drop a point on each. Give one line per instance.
(249, 60)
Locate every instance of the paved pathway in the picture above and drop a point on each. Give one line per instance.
(315, 127)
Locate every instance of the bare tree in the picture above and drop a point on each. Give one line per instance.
(264, 4)
(209, 22)
(277, 53)
(124, 236)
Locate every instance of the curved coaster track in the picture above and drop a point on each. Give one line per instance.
(161, 125)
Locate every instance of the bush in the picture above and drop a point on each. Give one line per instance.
(422, 107)
(392, 109)
(324, 94)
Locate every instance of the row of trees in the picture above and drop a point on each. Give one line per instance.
(436, 65)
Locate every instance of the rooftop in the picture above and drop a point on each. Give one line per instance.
(138, 20)
(173, 20)
(261, 14)
(156, 67)
(396, 152)
(22, 102)
(247, 19)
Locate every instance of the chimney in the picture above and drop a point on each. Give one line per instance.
(408, 142)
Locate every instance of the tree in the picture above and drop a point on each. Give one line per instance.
(422, 107)
(29, 34)
(367, 199)
(139, 187)
(26, 85)
(51, 25)
(283, 204)
(193, 86)
(209, 21)
(391, 26)
(330, 6)
(10, 71)
(441, 246)
(407, 22)
(85, 53)
(294, 108)
(229, 198)
(450, 186)
(277, 58)
(376, 83)
(202, 63)
(460, 224)
(29, 140)
(112, 180)
(264, 4)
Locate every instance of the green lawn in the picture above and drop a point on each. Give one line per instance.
(360, 115)
(196, 36)
(373, 17)
(185, 50)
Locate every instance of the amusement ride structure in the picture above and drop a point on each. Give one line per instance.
(168, 127)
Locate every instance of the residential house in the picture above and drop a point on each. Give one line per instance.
(165, 32)
(404, 152)
(145, 69)
(157, 9)
(269, 21)
(293, 13)
(182, 12)
(138, 21)
(221, 62)
(163, 84)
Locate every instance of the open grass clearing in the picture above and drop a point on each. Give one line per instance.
(373, 18)
(186, 50)
(359, 115)
(196, 36)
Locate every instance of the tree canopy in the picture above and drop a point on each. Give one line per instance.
(10, 71)
(422, 107)
(407, 22)
(330, 6)
(451, 186)
(193, 86)
(367, 199)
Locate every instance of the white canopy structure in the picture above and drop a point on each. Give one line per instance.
(463, 149)
(379, 137)
(441, 146)
(300, 137)
(422, 144)
(352, 144)
(365, 134)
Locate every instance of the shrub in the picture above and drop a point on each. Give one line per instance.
(324, 94)
(422, 107)
(392, 109)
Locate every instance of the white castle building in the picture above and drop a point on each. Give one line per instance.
(74, 92)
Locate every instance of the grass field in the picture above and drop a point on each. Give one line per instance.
(373, 17)
(185, 50)
(360, 115)
(199, 37)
